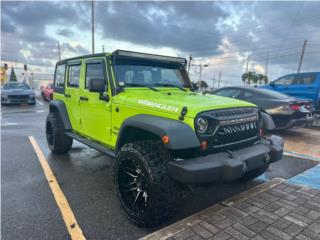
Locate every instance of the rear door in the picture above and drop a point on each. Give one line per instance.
(283, 84)
(95, 111)
(72, 93)
(305, 86)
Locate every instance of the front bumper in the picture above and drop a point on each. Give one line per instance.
(24, 100)
(227, 166)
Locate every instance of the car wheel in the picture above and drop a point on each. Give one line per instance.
(57, 141)
(254, 173)
(146, 193)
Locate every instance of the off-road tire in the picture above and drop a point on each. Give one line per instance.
(57, 141)
(163, 192)
(254, 173)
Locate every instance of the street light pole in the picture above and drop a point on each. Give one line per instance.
(92, 24)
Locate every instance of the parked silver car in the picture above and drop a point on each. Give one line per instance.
(17, 93)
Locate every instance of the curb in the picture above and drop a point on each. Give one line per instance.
(181, 225)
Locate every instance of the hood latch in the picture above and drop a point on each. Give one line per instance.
(183, 113)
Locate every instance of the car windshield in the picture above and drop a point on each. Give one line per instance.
(16, 85)
(139, 73)
(273, 94)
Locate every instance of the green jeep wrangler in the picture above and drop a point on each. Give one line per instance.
(141, 109)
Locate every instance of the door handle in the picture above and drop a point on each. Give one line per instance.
(83, 98)
(67, 95)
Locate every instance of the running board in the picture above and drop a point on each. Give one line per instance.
(97, 146)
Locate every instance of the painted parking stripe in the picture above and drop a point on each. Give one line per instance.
(40, 103)
(308, 178)
(300, 155)
(66, 212)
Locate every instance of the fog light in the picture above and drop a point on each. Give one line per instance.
(244, 166)
(267, 158)
(204, 145)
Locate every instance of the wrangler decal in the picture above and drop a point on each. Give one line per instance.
(158, 105)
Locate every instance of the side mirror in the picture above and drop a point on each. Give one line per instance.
(97, 85)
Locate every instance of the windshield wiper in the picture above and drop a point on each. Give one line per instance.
(170, 85)
(141, 85)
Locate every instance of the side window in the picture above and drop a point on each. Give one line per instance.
(94, 71)
(59, 76)
(74, 75)
(305, 79)
(287, 80)
(248, 95)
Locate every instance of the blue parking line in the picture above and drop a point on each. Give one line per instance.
(310, 178)
(263, 177)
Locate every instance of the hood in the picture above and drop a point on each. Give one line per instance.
(172, 101)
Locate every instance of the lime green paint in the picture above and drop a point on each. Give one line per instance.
(100, 120)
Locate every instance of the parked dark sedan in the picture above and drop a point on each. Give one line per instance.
(17, 93)
(286, 111)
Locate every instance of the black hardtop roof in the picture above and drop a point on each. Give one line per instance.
(129, 54)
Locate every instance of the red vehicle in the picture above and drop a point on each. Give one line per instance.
(47, 92)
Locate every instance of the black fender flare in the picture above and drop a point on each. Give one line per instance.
(267, 121)
(181, 135)
(60, 107)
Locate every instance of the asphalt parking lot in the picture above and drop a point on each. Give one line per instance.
(29, 210)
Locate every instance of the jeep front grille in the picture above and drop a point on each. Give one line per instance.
(233, 127)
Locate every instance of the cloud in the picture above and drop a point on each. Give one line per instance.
(180, 25)
(220, 33)
(65, 32)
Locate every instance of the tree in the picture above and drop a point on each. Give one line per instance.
(13, 77)
(252, 77)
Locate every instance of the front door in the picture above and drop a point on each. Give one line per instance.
(72, 93)
(96, 112)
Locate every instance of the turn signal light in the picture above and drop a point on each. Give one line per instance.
(204, 145)
(165, 139)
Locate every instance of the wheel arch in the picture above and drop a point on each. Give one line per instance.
(267, 121)
(148, 127)
(60, 107)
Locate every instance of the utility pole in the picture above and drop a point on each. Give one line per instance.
(247, 67)
(92, 24)
(219, 79)
(59, 53)
(213, 80)
(189, 63)
(302, 54)
(103, 48)
(267, 61)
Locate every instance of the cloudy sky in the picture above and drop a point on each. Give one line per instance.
(221, 34)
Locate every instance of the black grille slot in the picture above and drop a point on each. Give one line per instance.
(18, 97)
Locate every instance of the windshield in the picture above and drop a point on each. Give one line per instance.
(135, 73)
(16, 85)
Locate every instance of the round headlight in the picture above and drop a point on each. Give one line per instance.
(202, 125)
